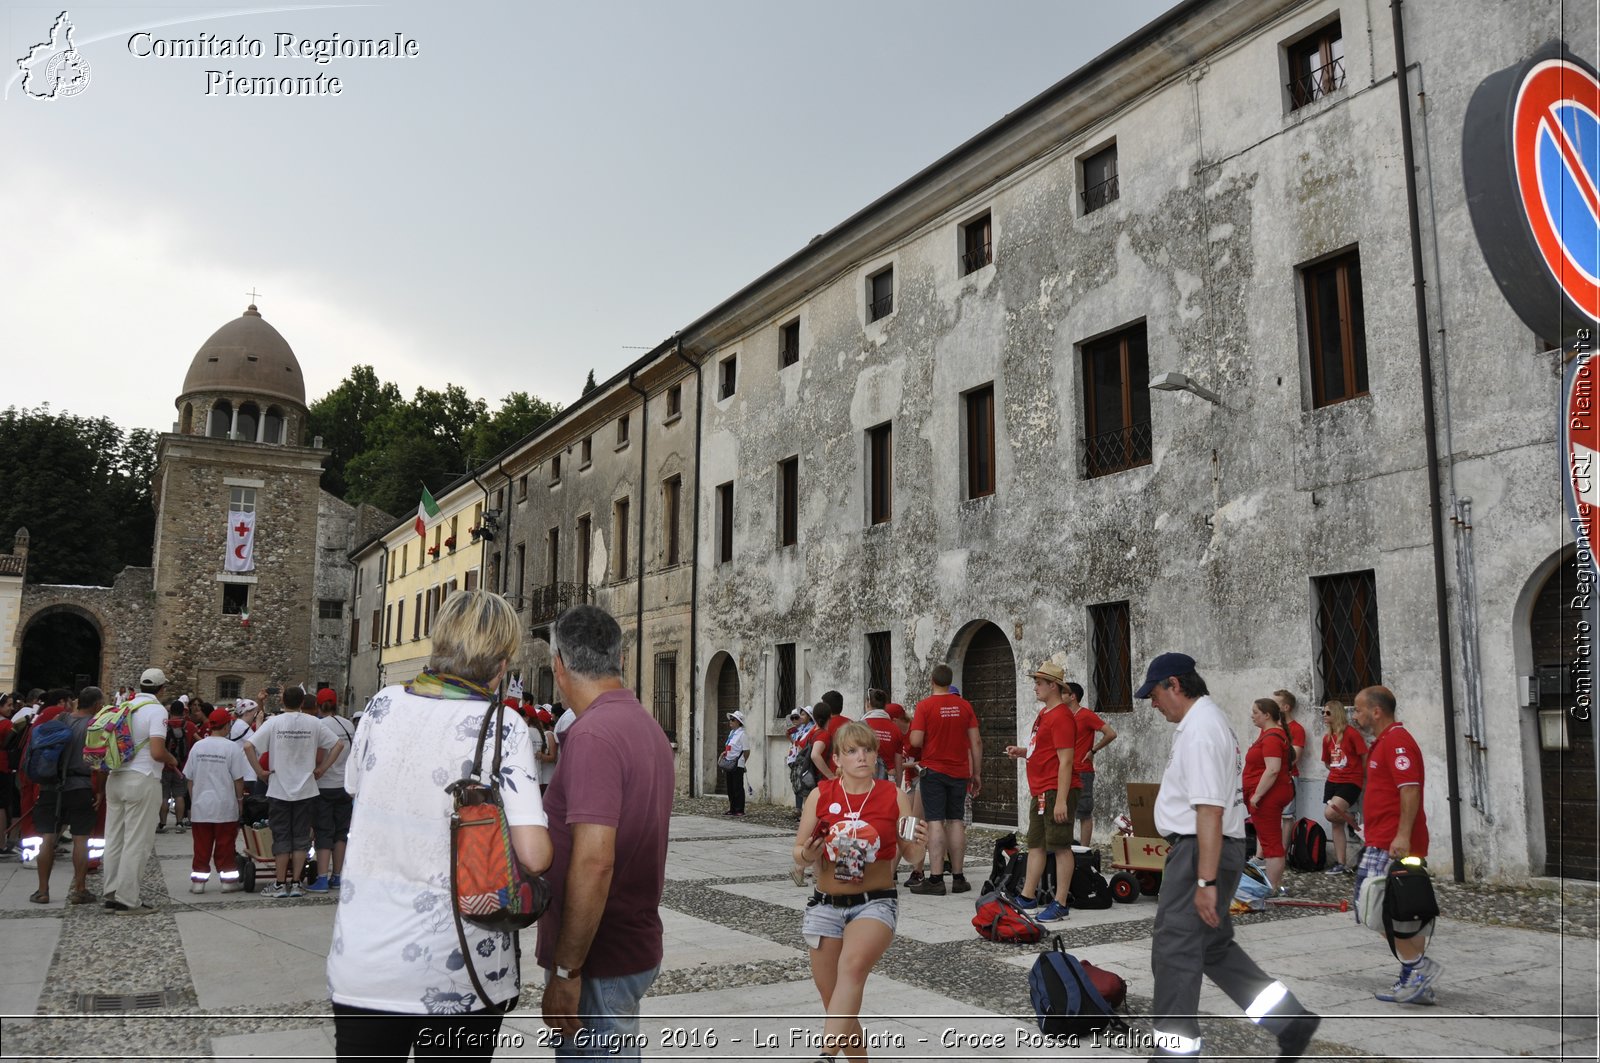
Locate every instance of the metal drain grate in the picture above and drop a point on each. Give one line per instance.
(114, 1003)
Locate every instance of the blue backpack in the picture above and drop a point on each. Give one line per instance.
(49, 747)
(1065, 1000)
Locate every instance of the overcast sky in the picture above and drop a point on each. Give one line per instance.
(544, 189)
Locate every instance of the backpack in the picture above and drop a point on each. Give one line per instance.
(1090, 890)
(1066, 999)
(1409, 903)
(49, 750)
(177, 744)
(109, 743)
(999, 919)
(1308, 846)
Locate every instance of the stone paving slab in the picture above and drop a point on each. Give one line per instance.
(690, 942)
(728, 857)
(315, 1042)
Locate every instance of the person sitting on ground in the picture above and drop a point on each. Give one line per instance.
(850, 831)
(216, 770)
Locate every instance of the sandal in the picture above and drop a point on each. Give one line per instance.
(80, 897)
(39, 897)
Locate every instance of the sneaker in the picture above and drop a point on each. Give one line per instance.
(295, 890)
(914, 879)
(1412, 988)
(232, 887)
(959, 884)
(318, 885)
(334, 882)
(276, 891)
(197, 887)
(1296, 1035)
(161, 828)
(932, 885)
(1025, 903)
(1052, 912)
(1337, 869)
(179, 829)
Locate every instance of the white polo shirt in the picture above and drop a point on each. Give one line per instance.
(1204, 768)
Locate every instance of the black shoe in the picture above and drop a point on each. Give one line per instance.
(914, 878)
(1296, 1035)
(959, 884)
(932, 885)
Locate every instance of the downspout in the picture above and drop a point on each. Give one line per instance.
(1435, 505)
(638, 558)
(694, 575)
(483, 544)
(383, 611)
(505, 534)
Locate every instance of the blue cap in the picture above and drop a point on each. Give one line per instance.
(1163, 668)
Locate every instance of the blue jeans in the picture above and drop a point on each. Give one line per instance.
(610, 1011)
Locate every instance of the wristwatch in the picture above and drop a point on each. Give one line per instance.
(567, 972)
(1203, 883)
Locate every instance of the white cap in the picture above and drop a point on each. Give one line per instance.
(242, 706)
(153, 677)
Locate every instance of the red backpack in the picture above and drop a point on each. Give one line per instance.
(999, 919)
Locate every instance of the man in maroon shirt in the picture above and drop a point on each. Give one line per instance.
(944, 736)
(609, 806)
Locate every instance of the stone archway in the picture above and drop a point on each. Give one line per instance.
(61, 646)
(722, 697)
(987, 676)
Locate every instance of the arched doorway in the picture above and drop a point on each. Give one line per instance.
(1566, 776)
(61, 647)
(989, 681)
(724, 699)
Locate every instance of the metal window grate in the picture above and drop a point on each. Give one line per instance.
(1114, 451)
(1099, 194)
(880, 662)
(1347, 627)
(787, 696)
(666, 693)
(1111, 639)
(977, 257)
(1323, 81)
(880, 308)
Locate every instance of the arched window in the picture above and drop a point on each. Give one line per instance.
(186, 425)
(221, 419)
(249, 418)
(272, 428)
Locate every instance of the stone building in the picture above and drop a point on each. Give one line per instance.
(236, 451)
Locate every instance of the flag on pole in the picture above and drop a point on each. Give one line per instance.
(241, 543)
(427, 511)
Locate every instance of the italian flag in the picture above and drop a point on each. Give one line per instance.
(427, 511)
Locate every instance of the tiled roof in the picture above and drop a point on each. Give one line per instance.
(12, 565)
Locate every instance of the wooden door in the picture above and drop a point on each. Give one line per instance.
(1566, 777)
(989, 681)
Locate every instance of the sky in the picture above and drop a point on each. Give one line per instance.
(540, 190)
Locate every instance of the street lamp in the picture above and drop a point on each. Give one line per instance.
(1180, 382)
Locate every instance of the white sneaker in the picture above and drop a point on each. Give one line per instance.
(232, 887)
(295, 890)
(276, 892)
(197, 887)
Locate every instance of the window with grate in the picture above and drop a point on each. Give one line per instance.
(788, 501)
(235, 599)
(1348, 657)
(1336, 330)
(724, 523)
(664, 701)
(1116, 399)
(789, 344)
(977, 247)
(880, 474)
(728, 377)
(880, 667)
(1316, 66)
(1110, 641)
(880, 294)
(672, 518)
(1100, 185)
(229, 687)
(978, 410)
(788, 697)
(330, 609)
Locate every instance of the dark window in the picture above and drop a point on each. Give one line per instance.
(229, 687)
(374, 627)
(416, 619)
(586, 452)
(470, 581)
(330, 609)
(522, 571)
(980, 442)
(1100, 179)
(1347, 628)
(622, 431)
(674, 400)
(880, 474)
(1316, 66)
(552, 557)
(1116, 395)
(1335, 330)
(585, 536)
(547, 686)
(355, 633)
(672, 516)
(788, 502)
(235, 598)
(880, 667)
(787, 697)
(1113, 670)
(522, 492)
(555, 468)
(724, 523)
(728, 377)
(399, 622)
(880, 294)
(619, 522)
(789, 344)
(977, 247)
(665, 698)
(429, 602)
(388, 623)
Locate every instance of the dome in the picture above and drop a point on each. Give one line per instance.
(247, 356)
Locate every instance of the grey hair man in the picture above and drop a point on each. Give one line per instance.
(609, 805)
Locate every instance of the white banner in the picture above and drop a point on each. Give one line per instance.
(241, 556)
(515, 689)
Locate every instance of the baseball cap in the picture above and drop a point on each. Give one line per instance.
(327, 696)
(1163, 668)
(219, 718)
(184, 698)
(242, 706)
(153, 677)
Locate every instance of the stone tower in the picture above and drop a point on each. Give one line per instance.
(237, 452)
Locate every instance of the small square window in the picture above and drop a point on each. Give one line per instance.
(330, 609)
(789, 344)
(1100, 179)
(235, 599)
(880, 294)
(1316, 66)
(728, 377)
(977, 247)
(674, 401)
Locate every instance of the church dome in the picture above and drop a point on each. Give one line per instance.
(247, 356)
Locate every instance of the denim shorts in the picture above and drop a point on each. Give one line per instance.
(826, 921)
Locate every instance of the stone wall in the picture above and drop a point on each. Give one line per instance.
(333, 580)
(123, 614)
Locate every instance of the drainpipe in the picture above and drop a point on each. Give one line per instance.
(505, 533)
(694, 574)
(644, 451)
(483, 544)
(1435, 504)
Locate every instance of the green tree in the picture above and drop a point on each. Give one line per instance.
(344, 416)
(415, 443)
(519, 415)
(589, 384)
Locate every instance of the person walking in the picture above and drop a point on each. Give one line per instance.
(944, 734)
(1200, 810)
(1266, 785)
(734, 753)
(133, 797)
(216, 770)
(1049, 756)
(1344, 751)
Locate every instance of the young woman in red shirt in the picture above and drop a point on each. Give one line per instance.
(1267, 789)
(851, 829)
(1344, 751)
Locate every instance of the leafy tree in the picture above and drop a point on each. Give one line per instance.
(343, 418)
(519, 415)
(589, 384)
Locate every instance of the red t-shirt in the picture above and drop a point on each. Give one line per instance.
(1054, 729)
(1346, 759)
(877, 811)
(890, 740)
(1088, 722)
(944, 721)
(825, 737)
(1272, 742)
(1394, 761)
(1297, 735)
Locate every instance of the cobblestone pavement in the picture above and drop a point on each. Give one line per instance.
(242, 976)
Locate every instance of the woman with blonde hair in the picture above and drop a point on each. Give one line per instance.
(850, 829)
(1344, 751)
(396, 969)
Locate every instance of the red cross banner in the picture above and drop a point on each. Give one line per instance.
(241, 556)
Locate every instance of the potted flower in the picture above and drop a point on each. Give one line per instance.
(433, 552)
(450, 544)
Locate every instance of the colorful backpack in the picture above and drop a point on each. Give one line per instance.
(999, 919)
(109, 743)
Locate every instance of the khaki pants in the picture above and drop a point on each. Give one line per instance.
(132, 800)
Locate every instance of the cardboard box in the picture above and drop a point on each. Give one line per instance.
(1142, 808)
(1144, 850)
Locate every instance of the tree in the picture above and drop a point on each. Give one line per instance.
(589, 385)
(343, 418)
(519, 416)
